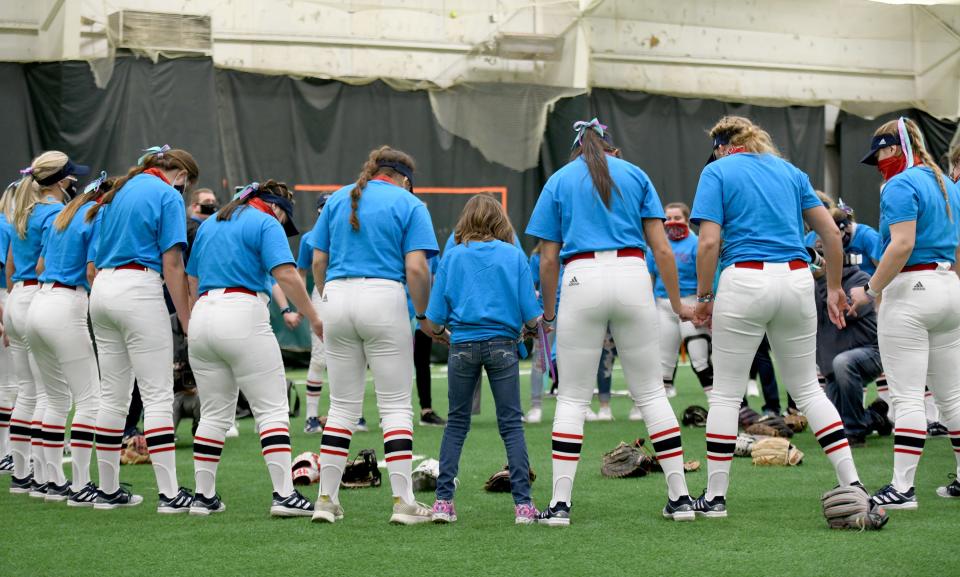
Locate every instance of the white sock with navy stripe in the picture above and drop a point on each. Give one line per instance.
(160, 443)
(207, 449)
(567, 442)
(398, 452)
(82, 432)
(909, 436)
(275, 446)
(334, 450)
(828, 428)
(665, 437)
(109, 440)
(314, 389)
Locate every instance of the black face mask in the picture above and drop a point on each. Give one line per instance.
(71, 190)
(208, 209)
(180, 187)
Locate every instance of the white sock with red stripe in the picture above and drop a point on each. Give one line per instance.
(314, 390)
(665, 437)
(722, 423)
(82, 432)
(109, 442)
(909, 436)
(567, 442)
(828, 428)
(334, 450)
(6, 410)
(207, 449)
(275, 446)
(159, 433)
(54, 433)
(398, 452)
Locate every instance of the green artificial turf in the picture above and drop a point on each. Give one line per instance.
(775, 525)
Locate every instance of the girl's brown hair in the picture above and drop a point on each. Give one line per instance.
(371, 169)
(920, 152)
(65, 216)
(18, 205)
(166, 160)
(682, 206)
(269, 187)
(483, 219)
(741, 131)
(594, 151)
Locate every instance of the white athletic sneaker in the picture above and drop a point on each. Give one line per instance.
(410, 514)
(589, 415)
(635, 414)
(534, 415)
(233, 431)
(604, 414)
(752, 389)
(326, 511)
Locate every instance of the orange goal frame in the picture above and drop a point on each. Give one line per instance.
(501, 190)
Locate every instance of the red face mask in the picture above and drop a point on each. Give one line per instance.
(892, 166)
(676, 230)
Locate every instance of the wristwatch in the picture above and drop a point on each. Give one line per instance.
(420, 316)
(289, 309)
(870, 292)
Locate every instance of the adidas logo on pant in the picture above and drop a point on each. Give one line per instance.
(919, 286)
(573, 282)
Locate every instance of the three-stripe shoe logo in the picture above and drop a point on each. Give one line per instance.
(919, 286)
(398, 445)
(566, 446)
(720, 447)
(335, 441)
(832, 437)
(909, 441)
(573, 282)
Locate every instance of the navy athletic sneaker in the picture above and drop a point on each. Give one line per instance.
(38, 490)
(716, 507)
(21, 486)
(6, 465)
(313, 426)
(57, 493)
(890, 498)
(556, 516)
(179, 503)
(294, 505)
(680, 510)
(951, 491)
(122, 497)
(85, 497)
(204, 506)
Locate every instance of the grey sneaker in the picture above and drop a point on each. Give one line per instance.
(326, 511)
(38, 490)
(680, 510)
(179, 503)
(555, 516)
(21, 486)
(203, 506)
(85, 497)
(122, 497)
(293, 505)
(713, 508)
(410, 514)
(57, 493)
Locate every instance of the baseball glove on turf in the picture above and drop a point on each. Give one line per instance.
(775, 451)
(695, 416)
(135, 451)
(362, 471)
(499, 482)
(744, 445)
(626, 461)
(748, 417)
(796, 422)
(770, 427)
(425, 476)
(852, 508)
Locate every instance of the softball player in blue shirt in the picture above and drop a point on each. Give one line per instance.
(318, 359)
(918, 323)
(59, 339)
(597, 214)
(372, 237)
(8, 387)
(30, 210)
(759, 201)
(142, 235)
(232, 346)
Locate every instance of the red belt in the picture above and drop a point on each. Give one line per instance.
(66, 286)
(916, 267)
(133, 266)
(757, 265)
(30, 282)
(233, 289)
(637, 252)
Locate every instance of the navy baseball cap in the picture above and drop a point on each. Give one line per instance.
(322, 200)
(69, 169)
(879, 141)
(289, 227)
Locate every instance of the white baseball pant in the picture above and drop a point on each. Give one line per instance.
(8, 390)
(26, 432)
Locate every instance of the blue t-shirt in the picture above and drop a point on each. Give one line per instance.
(915, 195)
(758, 200)
(239, 252)
(145, 219)
(483, 290)
(570, 211)
(305, 253)
(4, 248)
(865, 242)
(393, 222)
(26, 251)
(452, 242)
(67, 252)
(685, 253)
(433, 262)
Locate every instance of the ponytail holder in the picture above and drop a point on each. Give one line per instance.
(158, 150)
(95, 185)
(581, 126)
(905, 140)
(247, 191)
(844, 207)
(28, 171)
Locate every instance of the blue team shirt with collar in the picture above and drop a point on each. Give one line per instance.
(483, 290)
(685, 253)
(393, 222)
(865, 242)
(145, 219)
(4, 249)
(915, 195)
(239, 252)
(27, 250)
(67, 252)
(758, 200)
(570, 211)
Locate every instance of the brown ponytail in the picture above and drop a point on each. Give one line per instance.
(920, 152)
(483, 219)
(741, 131)
(269, 187)
(371, 169)
(65, 216)
(594, 152)
(167, 160)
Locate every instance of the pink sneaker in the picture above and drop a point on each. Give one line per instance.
(443, 512)
(526, 514)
